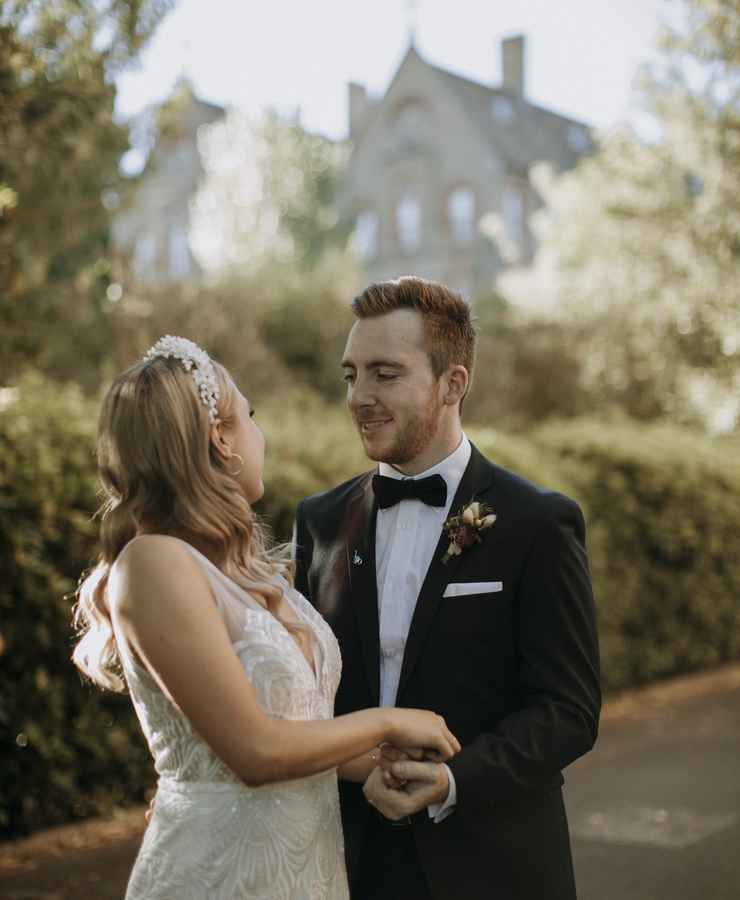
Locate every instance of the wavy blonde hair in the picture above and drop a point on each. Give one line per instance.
(161, 474)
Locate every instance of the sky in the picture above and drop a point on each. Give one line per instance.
(582, 55)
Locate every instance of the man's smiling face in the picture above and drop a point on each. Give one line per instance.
(392, 392)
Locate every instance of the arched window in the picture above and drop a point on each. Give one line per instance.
(365, 238)
(408, 222)
(461, 214)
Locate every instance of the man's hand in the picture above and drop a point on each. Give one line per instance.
(419, 784)
(390, 755)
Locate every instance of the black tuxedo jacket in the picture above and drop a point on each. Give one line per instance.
(515, 673)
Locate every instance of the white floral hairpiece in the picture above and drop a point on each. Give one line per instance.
(197, 362)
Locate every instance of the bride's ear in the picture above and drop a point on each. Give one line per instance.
(220, 441)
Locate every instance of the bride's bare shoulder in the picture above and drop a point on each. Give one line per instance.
(152, 551)
(152, 563)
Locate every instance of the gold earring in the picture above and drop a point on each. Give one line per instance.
(238, 471)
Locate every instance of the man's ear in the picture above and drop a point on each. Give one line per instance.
(220, 441)
(457, 381)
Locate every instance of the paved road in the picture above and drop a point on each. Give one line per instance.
(654, 810)
(76, 862)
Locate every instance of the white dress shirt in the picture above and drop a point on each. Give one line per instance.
(406, 537)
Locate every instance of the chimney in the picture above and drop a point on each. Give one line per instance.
(512, 64)
(358, 108)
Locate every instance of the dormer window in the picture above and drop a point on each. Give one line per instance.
(408, 222)
(502, 109)
(461, 214)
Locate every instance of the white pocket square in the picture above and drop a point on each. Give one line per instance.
(473, 587)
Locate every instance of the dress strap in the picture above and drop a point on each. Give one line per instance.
(224, 581)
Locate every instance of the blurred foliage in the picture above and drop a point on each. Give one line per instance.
(267, 196)
(274, 302)
(662, 506)
(302, 176)
(58, 169)
(311, 446)
(640, 245)
(67, 750)
(276, 327)
(307, 322)
(527, 370)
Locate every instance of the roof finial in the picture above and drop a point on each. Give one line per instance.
(412, 16)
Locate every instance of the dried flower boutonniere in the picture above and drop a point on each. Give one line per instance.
(464, 529)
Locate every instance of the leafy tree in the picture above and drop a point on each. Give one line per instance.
(640, 245)
(302, 176)
(59, 173)
(267, 196)
(275, 303)
(277, 327)
(527, 370)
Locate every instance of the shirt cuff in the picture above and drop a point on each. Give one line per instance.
(439, 811)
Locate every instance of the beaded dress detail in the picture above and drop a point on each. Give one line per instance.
(210, 836)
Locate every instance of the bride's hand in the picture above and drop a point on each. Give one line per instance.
(411, 729)
(390, 754)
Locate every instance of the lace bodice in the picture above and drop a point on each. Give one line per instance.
(210, 835)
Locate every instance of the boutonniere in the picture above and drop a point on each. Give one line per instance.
(465, 528)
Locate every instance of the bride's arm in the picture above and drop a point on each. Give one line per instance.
(163, 606)
(360, 767)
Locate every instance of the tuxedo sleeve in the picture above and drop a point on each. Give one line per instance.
(558, 677)
(302, 552)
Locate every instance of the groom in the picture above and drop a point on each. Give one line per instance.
(495, 630)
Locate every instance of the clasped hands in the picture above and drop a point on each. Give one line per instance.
(405, 781)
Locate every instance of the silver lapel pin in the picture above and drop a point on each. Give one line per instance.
(356, 559)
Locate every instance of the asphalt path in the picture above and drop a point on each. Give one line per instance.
(654, 809)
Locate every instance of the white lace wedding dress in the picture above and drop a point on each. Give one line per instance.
(210, 836)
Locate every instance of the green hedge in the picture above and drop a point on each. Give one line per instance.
(663, 508)
(310, 446)
(67, 750)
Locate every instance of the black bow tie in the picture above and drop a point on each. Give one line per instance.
(389, 491)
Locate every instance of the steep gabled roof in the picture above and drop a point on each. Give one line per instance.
(182, 113)
(532, 134)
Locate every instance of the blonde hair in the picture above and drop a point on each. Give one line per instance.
(160, 473)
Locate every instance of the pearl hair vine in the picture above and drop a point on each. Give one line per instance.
(197, 362)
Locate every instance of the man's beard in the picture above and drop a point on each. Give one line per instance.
(414, 437)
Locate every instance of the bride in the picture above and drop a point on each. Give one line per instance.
(231, 671)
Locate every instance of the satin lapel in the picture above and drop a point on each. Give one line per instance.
(476, 479)
(362, 513)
